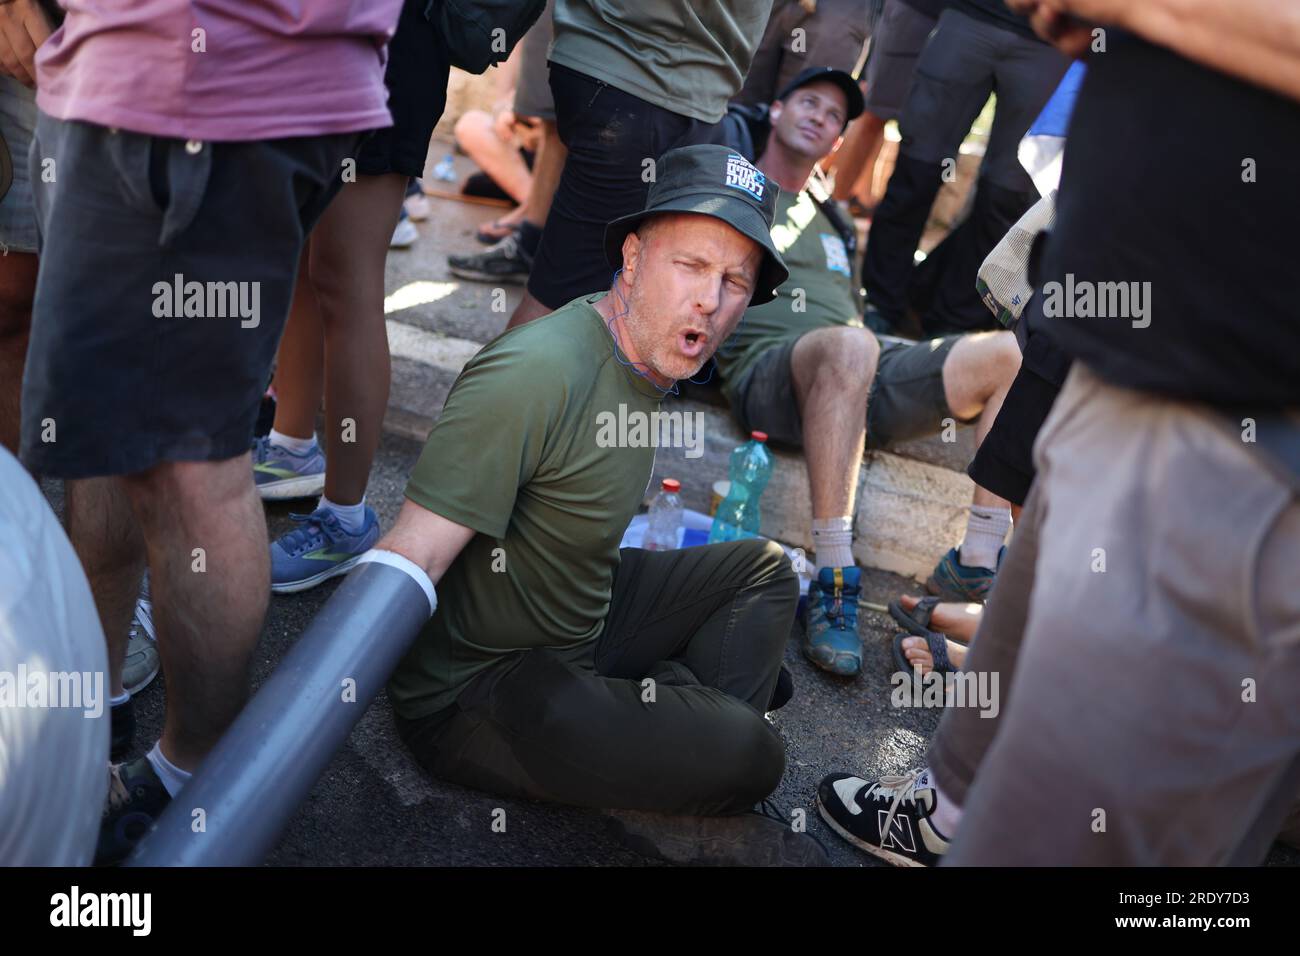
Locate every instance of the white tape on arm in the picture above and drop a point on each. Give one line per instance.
(416, 573)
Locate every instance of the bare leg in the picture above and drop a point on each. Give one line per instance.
(952, 618)
(209, 605)
(976, 377)
(106, 536)
(348, 249)
(855, 160)
(551, 154)
(498, 158)
(832, 369)
(17, 287)
(299, 368)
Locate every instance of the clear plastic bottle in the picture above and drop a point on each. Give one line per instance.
(665, 517)
(751, 468)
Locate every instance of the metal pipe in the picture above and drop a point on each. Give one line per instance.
(234, 809)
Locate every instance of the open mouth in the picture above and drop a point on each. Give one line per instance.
(691, 342)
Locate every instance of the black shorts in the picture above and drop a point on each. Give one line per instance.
(116, 379)
(416, 78)
(907, 398)
(609, 135)
(1004, 462)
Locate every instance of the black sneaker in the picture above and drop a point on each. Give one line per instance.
(136, 798)
(746, 839)
(121, 730)
(504, 262)
(889, 818)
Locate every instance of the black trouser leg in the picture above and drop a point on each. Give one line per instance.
(663, 712)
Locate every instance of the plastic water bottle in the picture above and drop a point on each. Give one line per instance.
(446, 169)
(665, 517)
(737, 516)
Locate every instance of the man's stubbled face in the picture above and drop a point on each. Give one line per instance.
(691, 277)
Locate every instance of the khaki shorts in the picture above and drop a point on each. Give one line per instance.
(907, 398)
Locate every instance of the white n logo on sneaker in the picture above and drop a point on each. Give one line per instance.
(899, 836)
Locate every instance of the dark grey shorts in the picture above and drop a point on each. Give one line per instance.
(895, 47)
(907, 399)
(130, 365)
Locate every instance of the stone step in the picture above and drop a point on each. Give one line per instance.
(911, 506)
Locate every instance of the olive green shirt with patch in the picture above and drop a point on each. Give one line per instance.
(519, 456)
(819, 292)
(690, 58)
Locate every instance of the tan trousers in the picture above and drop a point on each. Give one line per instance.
(1146, 631)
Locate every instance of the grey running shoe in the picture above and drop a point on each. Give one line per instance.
(504, 262)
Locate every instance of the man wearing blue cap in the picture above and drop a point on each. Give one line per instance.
(557, 666)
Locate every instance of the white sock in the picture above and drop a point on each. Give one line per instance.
(833, 542)
(299, 446)
(946, 816)
(119, 700)
(351, 517)
(172, 776)
(986, 529)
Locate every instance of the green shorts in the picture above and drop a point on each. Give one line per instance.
(907, 399)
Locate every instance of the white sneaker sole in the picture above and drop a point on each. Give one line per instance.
(308, 486)
(889, 856)
(292, 587)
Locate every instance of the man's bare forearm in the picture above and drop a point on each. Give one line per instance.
(1253, 40)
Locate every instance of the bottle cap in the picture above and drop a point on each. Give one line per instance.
(758, 436)
(672, 484)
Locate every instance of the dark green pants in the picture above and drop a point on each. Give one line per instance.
(664, 711)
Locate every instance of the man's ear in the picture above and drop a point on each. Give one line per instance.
(632, 247)
(775, 110)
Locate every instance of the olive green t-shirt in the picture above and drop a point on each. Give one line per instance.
(687, 57)
(523, 455)
(818, 293)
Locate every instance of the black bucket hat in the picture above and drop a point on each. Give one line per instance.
(827, 74)
(712, 181)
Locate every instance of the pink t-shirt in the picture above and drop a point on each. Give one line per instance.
(220, 69)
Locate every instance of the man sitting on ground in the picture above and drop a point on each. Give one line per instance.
(803, 367)
(557, 666)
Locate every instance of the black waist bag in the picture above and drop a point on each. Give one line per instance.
(480, 33)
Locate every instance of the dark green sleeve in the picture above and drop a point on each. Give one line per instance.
(488, 442)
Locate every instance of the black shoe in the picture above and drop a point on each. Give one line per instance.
(889, 818)
(122, 733)
(505, 262)
(746, 839)
(136, 798)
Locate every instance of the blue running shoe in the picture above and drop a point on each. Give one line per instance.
(831, 639)
(954, 581)
(280, 474)
(318, 550)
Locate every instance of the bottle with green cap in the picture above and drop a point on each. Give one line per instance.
(751, 468)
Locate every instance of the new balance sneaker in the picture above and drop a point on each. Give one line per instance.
(280, 474)
(954, 581)
(318, 550)
(889, 819)
(136, 798)
(831, 639)
(504, 262)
